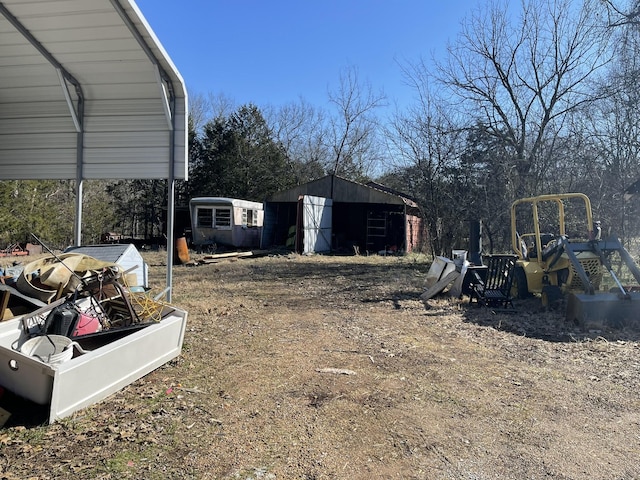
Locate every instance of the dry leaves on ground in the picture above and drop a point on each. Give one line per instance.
(331, 367)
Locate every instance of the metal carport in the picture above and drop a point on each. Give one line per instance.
(88, 92)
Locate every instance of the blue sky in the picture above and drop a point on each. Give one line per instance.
(272, 52)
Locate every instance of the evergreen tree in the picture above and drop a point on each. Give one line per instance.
(42, 207)
(238, 157)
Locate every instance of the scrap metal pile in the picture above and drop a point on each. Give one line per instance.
(77, 327)
(76, 296)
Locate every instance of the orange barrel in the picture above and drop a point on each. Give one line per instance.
(182, 250)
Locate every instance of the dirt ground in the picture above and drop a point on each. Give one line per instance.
(333, 368)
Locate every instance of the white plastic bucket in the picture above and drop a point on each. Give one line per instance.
(51, 349)
(459, 257)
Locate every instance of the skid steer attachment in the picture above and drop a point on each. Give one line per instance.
(618, 308)
(594, 311)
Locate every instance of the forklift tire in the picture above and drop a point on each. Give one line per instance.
(522, 289)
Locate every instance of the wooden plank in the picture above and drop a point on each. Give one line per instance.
(217, 256)
(222, 256)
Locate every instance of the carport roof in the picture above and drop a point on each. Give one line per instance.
(87, 92)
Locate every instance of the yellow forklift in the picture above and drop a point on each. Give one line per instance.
(566, 259)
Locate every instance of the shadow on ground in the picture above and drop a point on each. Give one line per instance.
(529, 318)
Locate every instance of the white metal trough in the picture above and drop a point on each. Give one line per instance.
(88, 378)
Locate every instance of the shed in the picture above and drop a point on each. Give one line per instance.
(230, 222)
(364, 218)
(88, 92)
(125, 255)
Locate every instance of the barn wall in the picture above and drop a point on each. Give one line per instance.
(415, 233)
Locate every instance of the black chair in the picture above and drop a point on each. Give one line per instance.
(495, 289)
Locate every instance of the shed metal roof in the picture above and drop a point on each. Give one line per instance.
(341, 190)
(87, 91)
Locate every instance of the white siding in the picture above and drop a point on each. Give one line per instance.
(126, 131)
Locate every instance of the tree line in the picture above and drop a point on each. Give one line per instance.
(532, 97)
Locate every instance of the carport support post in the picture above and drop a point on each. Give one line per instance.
(79, 171)
(79, 168)
(171, 185)
(79, 122)
(171, 198)
(78, 220)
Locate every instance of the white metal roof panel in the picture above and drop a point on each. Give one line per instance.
(123, 73)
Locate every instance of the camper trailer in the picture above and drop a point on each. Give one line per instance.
(227, 222)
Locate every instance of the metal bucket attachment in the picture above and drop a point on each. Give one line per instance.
(604, 310)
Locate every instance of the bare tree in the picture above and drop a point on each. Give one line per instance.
(352, 131)
(622, 15)
(522, 78)
(221, 105)
(425, 143)
(300, 128)
(199, 110)
(613, 129)
(204, 108)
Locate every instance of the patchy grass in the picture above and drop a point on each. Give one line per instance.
(439, 391)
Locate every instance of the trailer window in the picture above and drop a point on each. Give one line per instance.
(223, 218)
(249, 218)
(210, 217)
(205, 217)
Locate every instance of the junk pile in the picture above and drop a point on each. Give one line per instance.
(13, 250)
(84, 296)
(77, 287)
(448, 275)
(73, 330)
